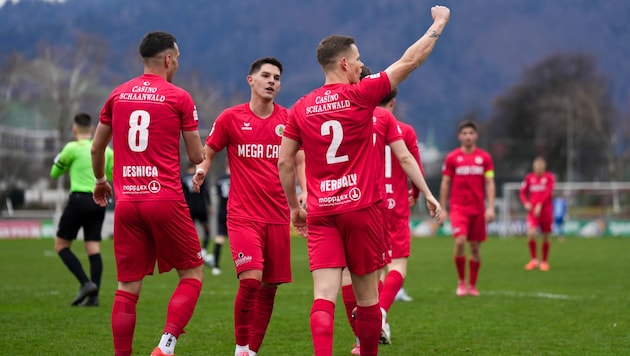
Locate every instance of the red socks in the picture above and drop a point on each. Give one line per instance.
(262, 315)
(350, 301)
(393, 283)
(368, 325)
(460, 264)
(532, 248)
(182, 305)
(322, 326)
(244, 309)
(123, 321)
(545, 250)
(474, 270)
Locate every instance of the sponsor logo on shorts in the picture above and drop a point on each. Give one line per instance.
(241, 259)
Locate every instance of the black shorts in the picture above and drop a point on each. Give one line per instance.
(222, 224)
(81, 212)
(199, 214)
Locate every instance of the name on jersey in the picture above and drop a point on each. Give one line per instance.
(252, 150)
(469, 170)
(327, 103)
(139, 171)
(329, 185)
(142, 97)
(536, 188)
(143, 93)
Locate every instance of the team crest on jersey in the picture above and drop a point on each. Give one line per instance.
(279, 129)
(246, 126)
(147, 84)
(478, 160)
(391, 203)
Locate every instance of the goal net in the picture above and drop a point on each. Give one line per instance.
(593, 209)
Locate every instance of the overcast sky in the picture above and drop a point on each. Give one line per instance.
(2, 2)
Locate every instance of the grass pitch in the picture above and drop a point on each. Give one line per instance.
(580, 307)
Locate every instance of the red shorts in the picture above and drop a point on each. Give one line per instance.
(400, 236)
(261, 246)
(354, 239)
(387, 234)
(468, 222)
(150, 231)
(543, 221)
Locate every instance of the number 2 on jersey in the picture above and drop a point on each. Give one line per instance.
(333, 127)
(138, 135)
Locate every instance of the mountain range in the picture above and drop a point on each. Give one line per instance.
(483, 51)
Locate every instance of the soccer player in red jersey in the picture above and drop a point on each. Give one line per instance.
(396, 202)
(334, 126)
(468, 174)
(258, 215)
(145, 116)
(398, 199)
(536, 195)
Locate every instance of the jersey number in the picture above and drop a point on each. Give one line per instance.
(388, 161)
(138, 135)
(333, 127)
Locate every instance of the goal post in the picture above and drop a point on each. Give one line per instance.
(593, 209)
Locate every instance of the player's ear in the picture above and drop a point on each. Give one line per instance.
(344, 63)
(168, 60)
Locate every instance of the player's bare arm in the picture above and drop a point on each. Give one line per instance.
(194, 148)
(412, 169)
(102, 188)
(418, 52)
(445, 187)
(286, 171)
(203, 168)
(490, 195)
(300, 170)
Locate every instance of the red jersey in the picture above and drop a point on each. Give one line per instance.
(334, 124)
(252, 145)
(468, 172)
(386, 131)
(147, 115)
(538, 189)
(396, 181)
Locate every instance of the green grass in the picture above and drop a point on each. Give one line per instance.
(580, 307)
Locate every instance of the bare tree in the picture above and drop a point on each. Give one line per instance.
(562, 110)
(52, 86)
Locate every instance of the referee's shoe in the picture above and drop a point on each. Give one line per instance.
(87, 289)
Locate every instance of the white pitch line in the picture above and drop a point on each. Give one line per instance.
(531, 295)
